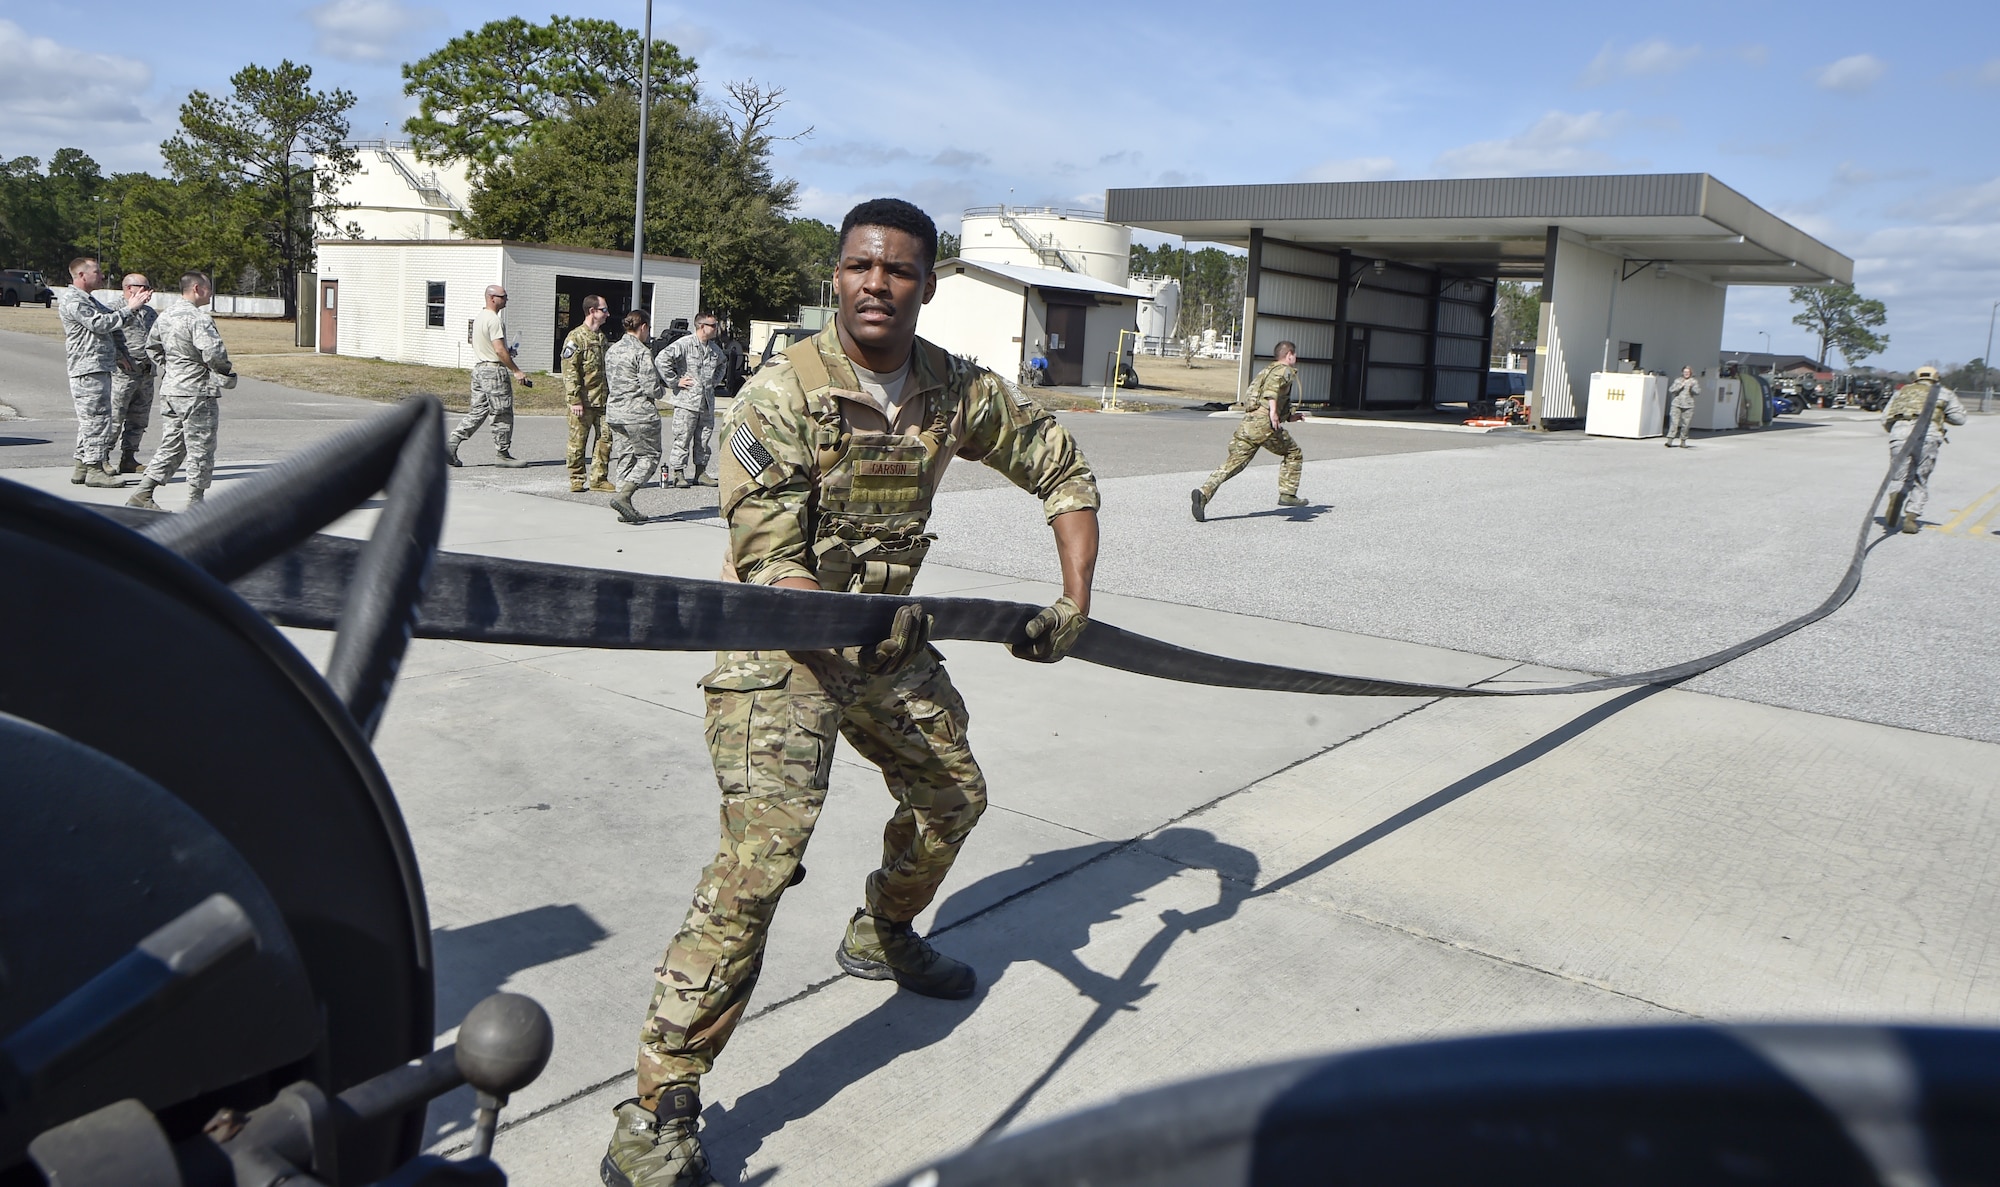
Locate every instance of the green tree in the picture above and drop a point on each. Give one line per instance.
(818, 247)
(1517, 315)
(1211, 279)
(706, 198)
(1974, 376)
(1844, 320)
(488, 92)
(279, 141)
(166, 228)
(49, 217)
(949, 245)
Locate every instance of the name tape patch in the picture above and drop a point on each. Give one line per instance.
(886, 469)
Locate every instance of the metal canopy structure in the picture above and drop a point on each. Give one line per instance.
(1499, 226)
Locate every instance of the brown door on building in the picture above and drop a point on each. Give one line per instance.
(329, 316)
(1066, 345)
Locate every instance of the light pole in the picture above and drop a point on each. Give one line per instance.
(1986, 360)
(639, 204)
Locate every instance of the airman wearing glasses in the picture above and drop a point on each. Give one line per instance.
(694, 368)
(493, 376)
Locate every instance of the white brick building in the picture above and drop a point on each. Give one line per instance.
(413, 301)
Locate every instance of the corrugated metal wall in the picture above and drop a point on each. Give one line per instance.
(1415, 337)
(1297, 292)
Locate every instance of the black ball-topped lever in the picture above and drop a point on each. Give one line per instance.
(503, 1044)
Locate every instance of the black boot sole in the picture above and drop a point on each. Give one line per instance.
(875, 970)
(1200, 506)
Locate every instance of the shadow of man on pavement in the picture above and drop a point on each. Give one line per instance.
(1100, 884)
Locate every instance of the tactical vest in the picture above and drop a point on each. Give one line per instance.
(873, 492)
(1908, 404)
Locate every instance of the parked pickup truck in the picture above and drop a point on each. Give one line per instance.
(20, 286)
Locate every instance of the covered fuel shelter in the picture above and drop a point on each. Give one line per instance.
(1388, 287)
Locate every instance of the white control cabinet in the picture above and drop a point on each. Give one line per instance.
(1719, 408)
(1626, 405)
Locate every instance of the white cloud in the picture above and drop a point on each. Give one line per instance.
(1652, 58)
(52, 88)
(1960, 206)
(1852, 75)
(1351, 169)
(1559, 142)
(365, 30)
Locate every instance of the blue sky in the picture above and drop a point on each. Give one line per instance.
(1873, 126)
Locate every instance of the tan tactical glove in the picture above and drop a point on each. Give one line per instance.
(1051, 633)
(908, 635)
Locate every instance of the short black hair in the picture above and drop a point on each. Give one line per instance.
(896, 215)
(191, 281)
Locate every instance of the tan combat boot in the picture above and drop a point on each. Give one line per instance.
(622, 504)
(195, 497)
(129, 464)
(143, 497)
(79, 474)
(101, 477)
(1292, 501)
(575, 485)
(602, 483)
(657, 1149)
(885, 950)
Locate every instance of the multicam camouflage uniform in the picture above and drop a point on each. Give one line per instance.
(632, 410)
(1900, 419)
(1274, 382)
(91, 344)
(189, 354)
(132, 391)
(817, 483)
(694, 406)
(583, 375)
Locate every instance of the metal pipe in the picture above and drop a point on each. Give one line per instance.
(403, 1087)
(639, 205)
(1986, 360)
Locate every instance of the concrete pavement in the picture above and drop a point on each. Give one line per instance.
(1174, 880)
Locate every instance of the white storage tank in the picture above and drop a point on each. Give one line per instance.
(1626, 405)
(1159, 308)
(1045, 237)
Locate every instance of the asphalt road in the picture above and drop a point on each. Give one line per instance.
(1171, 880)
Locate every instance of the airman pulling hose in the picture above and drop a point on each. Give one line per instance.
(493, 600)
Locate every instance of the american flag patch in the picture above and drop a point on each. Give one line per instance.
(750, 451)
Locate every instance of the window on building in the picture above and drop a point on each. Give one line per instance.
(434, 304)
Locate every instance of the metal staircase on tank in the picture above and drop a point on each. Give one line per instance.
(426, 184)
(1045, 247)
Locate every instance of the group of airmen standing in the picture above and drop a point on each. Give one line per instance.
(615, 390)
(117, 356)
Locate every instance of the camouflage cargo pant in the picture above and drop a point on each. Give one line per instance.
(772, 723)
(1253, 434)
(580, 430)
(635, 451)
(131, 408)
(1683, 416)
(94, 426)
(1926, 461)
(191, 423)
(692, 427)
(492, 397)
